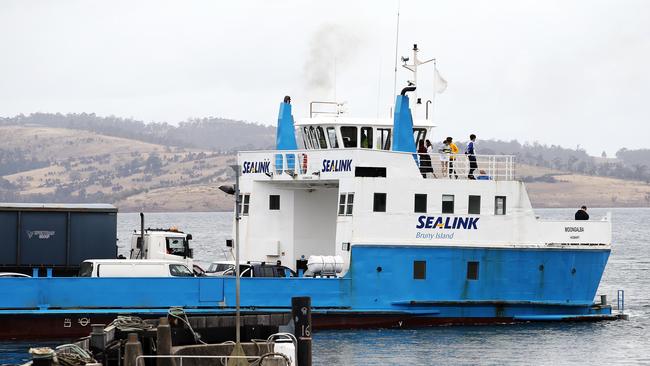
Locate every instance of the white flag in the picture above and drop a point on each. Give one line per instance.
(439, 84)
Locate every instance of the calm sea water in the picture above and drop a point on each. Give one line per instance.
(612, 342)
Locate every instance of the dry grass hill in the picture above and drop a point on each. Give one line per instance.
(81, 166)
(46, 164)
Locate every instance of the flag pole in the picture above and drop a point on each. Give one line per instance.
(396, 48)
(433, 99)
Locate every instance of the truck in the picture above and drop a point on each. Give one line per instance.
(163, 244)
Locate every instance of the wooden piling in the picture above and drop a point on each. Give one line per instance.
(164, 342)
(301, 314)
(132, 349)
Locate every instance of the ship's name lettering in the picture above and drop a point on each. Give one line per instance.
(433, 222)
(344, 165)
(255, 167)
(574, 229)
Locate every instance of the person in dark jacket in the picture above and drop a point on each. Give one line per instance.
(471, 156)
(582, 214)
(425, 159)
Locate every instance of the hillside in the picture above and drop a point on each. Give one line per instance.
(67, 165)
(47, 164)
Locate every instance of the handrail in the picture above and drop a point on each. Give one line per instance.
(456, 166)
(139, 360)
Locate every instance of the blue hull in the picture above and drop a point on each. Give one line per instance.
(505, 285)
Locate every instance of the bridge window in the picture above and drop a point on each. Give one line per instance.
(474, 205)
(321, 137)
(419, 134)
(379, 202)
(313, 138)
(349, 135)
(384, 138)
(274, 202)
(305, 138)
(419, 270)
(346, 201)
(500, 205)
(244, 200)
(366, 137)
(420, 203)
(448, 203)
(472, 270)
(331, 135)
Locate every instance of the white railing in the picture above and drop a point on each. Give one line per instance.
(459, 166)
(301, 162)
(218, 360)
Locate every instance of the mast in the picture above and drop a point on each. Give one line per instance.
(414, 69)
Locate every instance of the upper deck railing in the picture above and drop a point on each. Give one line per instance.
(307, 163)
(458, 166)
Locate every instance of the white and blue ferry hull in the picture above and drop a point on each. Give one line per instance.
(378, 291)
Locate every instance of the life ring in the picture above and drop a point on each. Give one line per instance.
(304, 163)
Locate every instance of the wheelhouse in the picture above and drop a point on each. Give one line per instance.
(326, 132)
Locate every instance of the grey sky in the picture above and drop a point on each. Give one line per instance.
(557, 72)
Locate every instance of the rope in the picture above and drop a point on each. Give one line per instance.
(73, 355)
(179, 313)
(130, 323)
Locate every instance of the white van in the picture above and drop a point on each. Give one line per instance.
(133, 268)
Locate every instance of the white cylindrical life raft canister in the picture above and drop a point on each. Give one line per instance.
(324, 265)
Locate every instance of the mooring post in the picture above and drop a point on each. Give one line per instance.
(98, 337)
(132, 349)
(164, 342)
(43, 356)
(301, 314)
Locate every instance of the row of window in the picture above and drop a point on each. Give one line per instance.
(346, 203)
(420, 270)
(319, 137)
(473, 204)
(420, 204)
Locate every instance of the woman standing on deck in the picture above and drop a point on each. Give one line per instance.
(445, 151)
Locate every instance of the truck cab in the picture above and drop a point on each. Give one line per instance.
(164, 244)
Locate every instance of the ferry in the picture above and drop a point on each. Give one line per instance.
(396, 246)
(343, 212)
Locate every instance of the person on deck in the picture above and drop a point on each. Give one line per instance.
(582, 214)
(425, 159)
(452, 157)
(471, 156)
(445, 152)
(429, 147)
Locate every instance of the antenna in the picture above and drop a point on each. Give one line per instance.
(396, 47)
(335, 78)
(414, 69)
(379, 86)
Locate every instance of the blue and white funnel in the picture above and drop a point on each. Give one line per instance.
(403, 123)
(286, 134)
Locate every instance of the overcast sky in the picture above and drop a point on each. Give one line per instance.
(558, 72)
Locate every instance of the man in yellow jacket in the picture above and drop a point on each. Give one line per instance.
(452, 157)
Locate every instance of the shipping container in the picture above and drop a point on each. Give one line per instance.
(57, 236)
